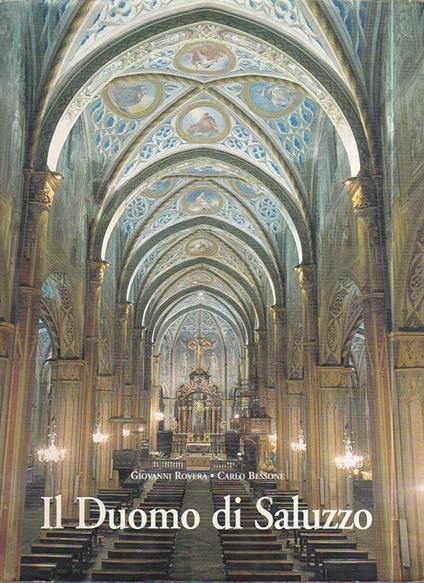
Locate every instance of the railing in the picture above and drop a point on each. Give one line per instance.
(232, 465)
(167, 464)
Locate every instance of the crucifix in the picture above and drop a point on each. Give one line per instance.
(199, 344)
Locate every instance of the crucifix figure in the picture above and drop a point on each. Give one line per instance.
(199, 344)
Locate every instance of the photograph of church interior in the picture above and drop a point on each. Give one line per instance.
(211, 284)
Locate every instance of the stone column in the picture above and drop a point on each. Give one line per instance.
(334, 383)
(294, 405)
(280, 367)
(96, 275)
(363, 192)
(67, 377)
(409, 378)
(41, 188)
(261, 364)
(104, 451)
(6, 345)
(123, 314)
(154, 402)
(139, 367)
(308, 290)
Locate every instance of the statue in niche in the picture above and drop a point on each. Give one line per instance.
(174, 425)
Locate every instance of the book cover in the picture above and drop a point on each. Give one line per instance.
(211, 290)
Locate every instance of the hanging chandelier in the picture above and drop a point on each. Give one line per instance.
(51, 453)
(159, 416)
(349, 461)
(126, 432)
(299, 446)
(98, 436)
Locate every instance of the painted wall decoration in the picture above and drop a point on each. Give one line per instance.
(203, 200)
(246, 188)
(205, 57)
(158, 188)
(203, 122)
(271, 100)
(133, 96)
(201, 247)
(200, 278)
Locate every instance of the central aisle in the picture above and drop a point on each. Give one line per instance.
(197, 555)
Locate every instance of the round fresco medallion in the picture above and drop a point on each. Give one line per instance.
(202, 200)
(158, 188)
(203, 122)
(202, 247)
(205, 58)
(271, 100)
(132, 96)
(246, 188)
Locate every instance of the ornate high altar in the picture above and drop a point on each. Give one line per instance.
(198, 426)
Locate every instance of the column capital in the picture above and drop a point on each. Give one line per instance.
(43, 187)
(123, 310)
(307, 275)
(6, 330)
(408, 348)
(362, 191)
(64, 370)
(97, 271)
(278, 313)
(260, 335)
(335, 377)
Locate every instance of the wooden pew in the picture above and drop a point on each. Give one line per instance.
(38, 571)
(260, 575)
(51, 548)
(312, 546)
(146, 574)
(63, 562)
(349, 570)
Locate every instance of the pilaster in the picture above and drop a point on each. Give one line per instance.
(41, 188)
(104, 451)
(363, 192)
(67, 377)
(308, 291)
(279, 320)
(96, 276)
(409, 378)
(334, 392)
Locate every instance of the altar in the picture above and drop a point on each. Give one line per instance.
(198, 447)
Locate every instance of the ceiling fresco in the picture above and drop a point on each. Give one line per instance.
(206, 136)
(113, 18)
